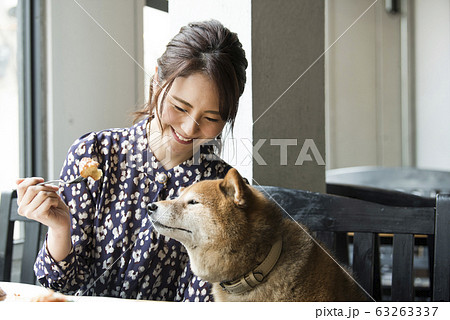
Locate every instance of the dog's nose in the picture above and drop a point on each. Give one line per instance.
(152, 207)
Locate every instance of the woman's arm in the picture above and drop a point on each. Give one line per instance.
(64, 260)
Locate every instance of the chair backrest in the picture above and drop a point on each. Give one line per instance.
(32, 239)
(336, 214)
(395, 186)
(422, 182)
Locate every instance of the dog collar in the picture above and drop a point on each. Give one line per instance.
(257, 275)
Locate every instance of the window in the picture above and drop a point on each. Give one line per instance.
(9, 93)
(156, 37)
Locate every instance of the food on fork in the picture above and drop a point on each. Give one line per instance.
(2, 295)
(89, 168)
(50, 296)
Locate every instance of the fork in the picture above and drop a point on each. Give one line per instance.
(76, 180)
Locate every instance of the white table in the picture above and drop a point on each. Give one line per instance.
(25, 292)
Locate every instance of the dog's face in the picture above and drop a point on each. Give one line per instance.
(203, 213)
(210, 218)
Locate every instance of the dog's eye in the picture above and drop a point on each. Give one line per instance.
(192, 201)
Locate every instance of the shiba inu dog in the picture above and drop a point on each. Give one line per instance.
(239, 241)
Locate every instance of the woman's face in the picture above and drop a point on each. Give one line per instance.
(190, 112)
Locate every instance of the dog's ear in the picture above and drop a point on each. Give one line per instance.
(233, 185)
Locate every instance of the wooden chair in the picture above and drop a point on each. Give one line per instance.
(329, 214)
(395, 186)
(32, 241)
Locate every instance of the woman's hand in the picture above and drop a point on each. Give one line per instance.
(43, 204)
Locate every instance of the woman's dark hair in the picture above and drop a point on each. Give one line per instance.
(209, 48)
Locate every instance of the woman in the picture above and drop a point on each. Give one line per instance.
(100, 241)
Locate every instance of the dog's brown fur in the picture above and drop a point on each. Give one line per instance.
(229, 230)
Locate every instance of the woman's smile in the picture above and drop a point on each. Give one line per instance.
(179, 138)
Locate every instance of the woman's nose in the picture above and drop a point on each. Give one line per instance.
(190, 126)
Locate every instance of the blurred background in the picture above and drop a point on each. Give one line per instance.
(368, 81)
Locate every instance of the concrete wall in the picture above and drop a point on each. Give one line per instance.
(287, 37)
(92, 83)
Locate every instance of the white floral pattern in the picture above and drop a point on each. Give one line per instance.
(115, 251)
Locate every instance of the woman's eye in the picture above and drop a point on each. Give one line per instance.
(212, 120)
(179, 109)
(192, 201)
